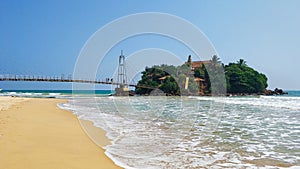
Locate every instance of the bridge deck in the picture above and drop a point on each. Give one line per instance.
(62, 79)
(41, 79)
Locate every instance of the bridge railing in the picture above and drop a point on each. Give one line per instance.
(62, 78)
(8, 77)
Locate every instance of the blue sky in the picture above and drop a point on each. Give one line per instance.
(45, 37)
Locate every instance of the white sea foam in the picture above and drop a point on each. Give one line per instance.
(33, 94)
(195, 132)
(264, 101)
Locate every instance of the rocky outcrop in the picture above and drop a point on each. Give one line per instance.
(276, 91)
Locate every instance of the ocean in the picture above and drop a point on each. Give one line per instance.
(55, 93)
(192, 132)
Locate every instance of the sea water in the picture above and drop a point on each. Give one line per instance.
(197, 132)
(55, 93)
(191, 132)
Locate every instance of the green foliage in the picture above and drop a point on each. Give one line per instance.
(170, 79)
(200, 73)
(215, 78)
(244, 79)
(170, 86)
(215, 60)
(241, 63)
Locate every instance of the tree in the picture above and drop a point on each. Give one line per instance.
(170, 87)
(241, 63)
(215, 60)
(238, 78)
(200, 73)
(244, 79)
(161, 77)
(217, 82)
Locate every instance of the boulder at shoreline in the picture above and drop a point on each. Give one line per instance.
(276, 91)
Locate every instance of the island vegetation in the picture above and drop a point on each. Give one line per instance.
(202, 78)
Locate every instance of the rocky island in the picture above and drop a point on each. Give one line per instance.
(203, 78)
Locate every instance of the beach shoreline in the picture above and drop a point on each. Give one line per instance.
(36, 133)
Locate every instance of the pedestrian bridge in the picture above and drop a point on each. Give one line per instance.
(63, 79)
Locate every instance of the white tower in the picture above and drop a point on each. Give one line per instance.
(122, 78)
(122, 87)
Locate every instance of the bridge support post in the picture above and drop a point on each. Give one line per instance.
(122, 87)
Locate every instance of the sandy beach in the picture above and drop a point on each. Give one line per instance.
(35, 134)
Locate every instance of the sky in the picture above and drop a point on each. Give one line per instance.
(46, 37)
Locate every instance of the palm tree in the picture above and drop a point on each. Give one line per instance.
(215, 60)
(241, 63)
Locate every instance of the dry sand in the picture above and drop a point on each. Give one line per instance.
(36, 134)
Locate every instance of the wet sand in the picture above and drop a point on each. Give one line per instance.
(35, 133)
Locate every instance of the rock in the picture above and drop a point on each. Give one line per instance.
(279, 91)
(275, 92)
(268, 92)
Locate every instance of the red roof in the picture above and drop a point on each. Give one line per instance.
(197, 79)
(198, 64)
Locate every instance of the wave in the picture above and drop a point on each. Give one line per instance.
(167, 132)
(285, 102)
(32, 94)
